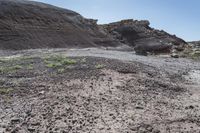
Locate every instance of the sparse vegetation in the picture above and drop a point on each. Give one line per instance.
(53, 64)
(5, 90)
(5, 69)
(58, 61)
(99, 66)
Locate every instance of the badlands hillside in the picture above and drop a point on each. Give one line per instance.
(27, 25)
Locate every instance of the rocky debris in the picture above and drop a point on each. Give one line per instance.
(120, 97)
(143, 38)
(27, 24)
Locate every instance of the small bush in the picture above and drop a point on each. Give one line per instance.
(99, 66)
(5, 90)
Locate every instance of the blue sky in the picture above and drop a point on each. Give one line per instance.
(180, 17)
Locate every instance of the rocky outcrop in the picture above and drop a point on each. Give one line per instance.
(26, 24)
(143, 38)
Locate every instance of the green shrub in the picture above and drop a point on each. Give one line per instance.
(99, 66)
(5, 90)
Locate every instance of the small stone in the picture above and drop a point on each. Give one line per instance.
(139, 107)
(15, 120)
(149, 128)
(156, 131)
(35, 123)
(174, 55)
(31, 129)
(3, 126)
(189, 107)
(41, 92)
(110, 79)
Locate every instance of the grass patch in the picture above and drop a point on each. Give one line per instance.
(68, 61)
(53, 64)
(58, 61)
(99, 66)
(5, 69)
(5, 90)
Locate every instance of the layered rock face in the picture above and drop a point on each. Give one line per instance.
(26, 24)
(143, 38)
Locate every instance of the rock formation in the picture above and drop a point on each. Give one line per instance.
(143, 38)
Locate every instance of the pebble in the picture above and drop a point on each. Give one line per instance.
(15, 120)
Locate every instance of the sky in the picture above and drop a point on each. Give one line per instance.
(179, 17)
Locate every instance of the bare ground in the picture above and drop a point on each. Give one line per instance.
(97, 91)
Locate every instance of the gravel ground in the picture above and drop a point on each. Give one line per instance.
(97, 91)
